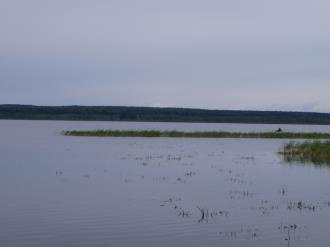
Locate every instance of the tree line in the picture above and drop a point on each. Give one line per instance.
(149, 114)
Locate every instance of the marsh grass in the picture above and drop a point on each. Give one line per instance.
(198, 134)
(317, 152)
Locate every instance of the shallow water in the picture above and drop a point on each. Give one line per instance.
(78, 191)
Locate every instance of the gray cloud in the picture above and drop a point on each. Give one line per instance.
(215, 54)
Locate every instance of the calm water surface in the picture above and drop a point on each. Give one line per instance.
(74, 191)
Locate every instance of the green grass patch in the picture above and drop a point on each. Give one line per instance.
(317, 152)
(198, 134)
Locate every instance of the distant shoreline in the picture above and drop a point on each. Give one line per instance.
(197, 134)
(154, 114)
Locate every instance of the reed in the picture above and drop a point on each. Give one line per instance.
(197, 134)
(317, 152)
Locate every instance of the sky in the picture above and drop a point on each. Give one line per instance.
(214, 54)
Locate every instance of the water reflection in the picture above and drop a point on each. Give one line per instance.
(298, 159)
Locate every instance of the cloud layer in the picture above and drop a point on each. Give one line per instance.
(211, 54)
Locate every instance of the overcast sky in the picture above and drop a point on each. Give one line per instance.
(234, 54)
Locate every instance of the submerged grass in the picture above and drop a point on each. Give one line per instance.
(198, 134)
(316, 152)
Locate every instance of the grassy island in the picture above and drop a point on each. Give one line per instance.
(310, 151)
(198, 134)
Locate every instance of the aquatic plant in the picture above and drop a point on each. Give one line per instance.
(204, 215)
(197, 134)
(317, 152)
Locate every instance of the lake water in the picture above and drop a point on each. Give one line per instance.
(84, 191)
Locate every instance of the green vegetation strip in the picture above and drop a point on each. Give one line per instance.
(205, 134)
(310, 151)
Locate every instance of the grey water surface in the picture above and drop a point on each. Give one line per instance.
(63, 191)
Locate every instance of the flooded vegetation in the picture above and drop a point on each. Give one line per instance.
(141, 192)
(317, 152)
(197, 134)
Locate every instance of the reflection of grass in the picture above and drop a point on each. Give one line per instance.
(205, 134)
(311, 151)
